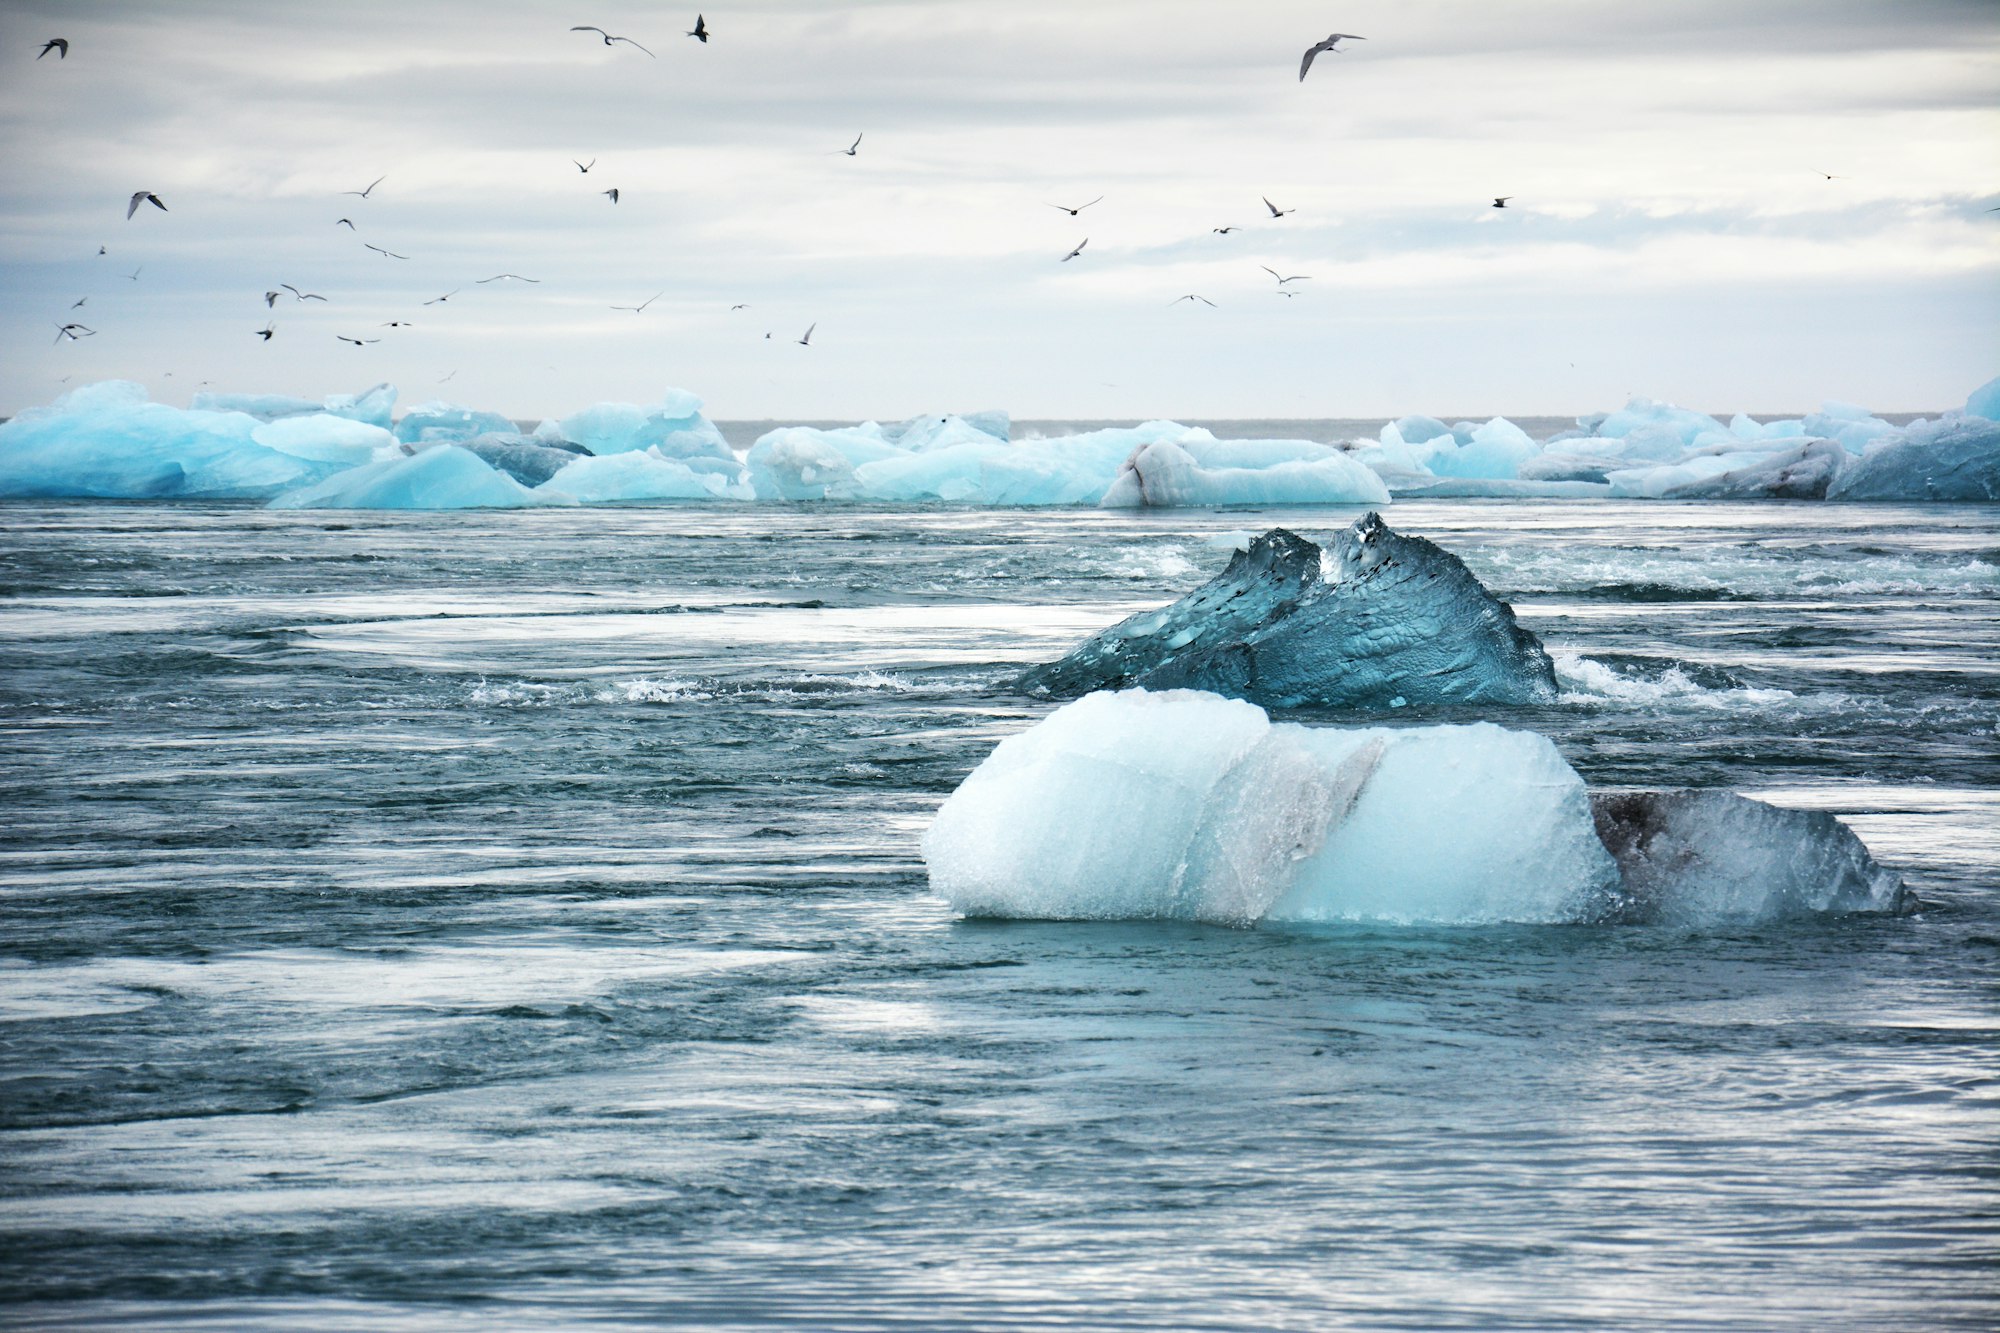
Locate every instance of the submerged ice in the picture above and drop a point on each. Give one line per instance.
(1372, 618)
(1182, 805)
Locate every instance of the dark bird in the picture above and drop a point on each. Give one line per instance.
(345, 222)
(1192, 297)
(102, 251)
(143, 197)
(1224, 231)
(1501, 201)
(1277, 212)
(515, 276)
(398, 324)
(807, 341)
(358, 342)
(608, 38)
(73, 331)
(266, 332)
(370, 190)
(851, 148)
(386, 254)
(133, 276)
(1283, 292)
(1830, 176)
(1077, 211)
(440, 300)
(59, 45)
(1296, 277)
(739, 307)
(447, 378)
(79, 302)
(303, 296)
(1079, 250)
(585, 169)
(611, 194)
(700, 30)
(1330, 44)
(640, 309)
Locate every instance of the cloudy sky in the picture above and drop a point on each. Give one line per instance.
(1672, 232)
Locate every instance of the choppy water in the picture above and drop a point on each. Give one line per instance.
(516, 918)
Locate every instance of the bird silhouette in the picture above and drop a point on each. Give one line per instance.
(303, 296)
(266, 332)
(611, 194)
(1224, 231)
(1330, 44)
(386, 254)
(73, 331)
(358, 342)
(79, 303)
(1501, 201)
(59, 45)
(807, 340)
(608, 38)
(640, 308)
(440, 300)
(1296, 277)
(1078, 210)
(143, 197)
(1192, 297)
(700, 30)
(1277, 212)
(851, 149)
(1079, 250)
(585, 169)
(345, 222)
(370, 190)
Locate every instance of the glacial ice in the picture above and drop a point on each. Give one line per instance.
(1953, 459)
(527, 459)
(374, 406)
(639, 475)
(1181, 805)
(1374, 617)
(675, 426)
(1241, 472)
(443, 476)
(440, 422)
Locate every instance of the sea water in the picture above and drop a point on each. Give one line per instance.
(419, 920)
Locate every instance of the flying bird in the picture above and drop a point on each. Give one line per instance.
(585, 169)
(440, 300)
(1277, 212)
(515, 276)
(1077, 211)
(850, 149)
(79, 302)
(1501, 201)
(73, 331)
(739, 307)
(1224, 231)
(386, 254)
(700, 30)
(1830, 176)
(133, 276)
(143, 197)
(807, 341)
(358, 342)
(1296, 277)
(447, 377)
(266, 332)
(370, 190)
(102, 251)
(608, 38)
(345, 222)
(398, 324)
(303, 296)
(59, 45)
(1330, 44)
(1079, 250)
(1192, 297)
(640, 309)
(611, 194)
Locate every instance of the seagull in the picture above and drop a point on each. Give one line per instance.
(608, 38)
(611, 193)
(1192, 297)
(583, 168)
(59, 45)
(143, 197)
(386, 254)
(270, 299)
(370, 190)
(739, 307)
(1079, 250)
(440, 300)
(640, 309)
(515, 276)
(1224, 231)
(1330, 44)
(358, 342)
(133, 276)
(71, 331)
(1074, 212)
(398, 324)
(700, 30)
(849, 150)
(806, 341)
(1296, 277)
(102, 251)
(303, 296)
(345, 222)
(447, 377)
(1277, 212)
(1830, 176)
(266, 332)
(79, 303)
(1501, 200)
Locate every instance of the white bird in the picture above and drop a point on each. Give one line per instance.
(1296, 277)
(358, 342)
(1330, 44)
(807, 340)
(611, 194)
(370, 190)
(851, 148)
(1079, 250)
(640, 309)
(71, 332)
(386, 254)
(1277, 212)
(1192, 297)
(440, 300)
(1078, 210)
(303, 296)
(608, 38)
(498, 276)
(270, 299)
(143, 197)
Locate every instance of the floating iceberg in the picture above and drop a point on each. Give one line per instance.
(528, 459)
(374, 407)
(1195, 471)
(443, 476)
(674, 426)
(635, 475)
(1185, 806)
(1954, 459)
(1373, 618)
(448, 423)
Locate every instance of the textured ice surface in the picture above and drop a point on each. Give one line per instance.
(1957, 458)
(1241, 472)
(108, 441)
(1984, 401)
(675, 426)
(443, 476)
(1187, 806)
(1373, 617)
(325, 439)
(525, 458)
(439, 422)
(1711, 857)
(373, 406)
(640, 475)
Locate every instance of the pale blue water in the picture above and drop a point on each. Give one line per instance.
(516, 920)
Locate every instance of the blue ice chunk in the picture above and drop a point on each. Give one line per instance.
(643, 475)
(1659, 419)
(1985, 401)
(372, 406)
(375, 406)
(1419, 429)
(937, 432)
(443, 476)
(323, 438)
(108, 441)
(1803, 471)
(801, 463)
(1373, 616)
(524, 458)
(1496, 450)
(440, 422)
(1197, 471)
(674, 425)
(1957, 458)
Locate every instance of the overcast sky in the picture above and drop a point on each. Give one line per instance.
(1671, 233)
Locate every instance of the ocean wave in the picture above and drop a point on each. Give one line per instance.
(1589, 681)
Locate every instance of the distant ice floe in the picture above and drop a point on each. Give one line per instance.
(1181, 805)
(108, 441)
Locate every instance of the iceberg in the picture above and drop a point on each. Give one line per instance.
(1957, 458)
(373, 407)
(636, 475)
(530, 460)
(801, 463)
(674, 426)
(1196, 471)
(436, 422)
(1181, 805)
(443, 476)
(1372, 618)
